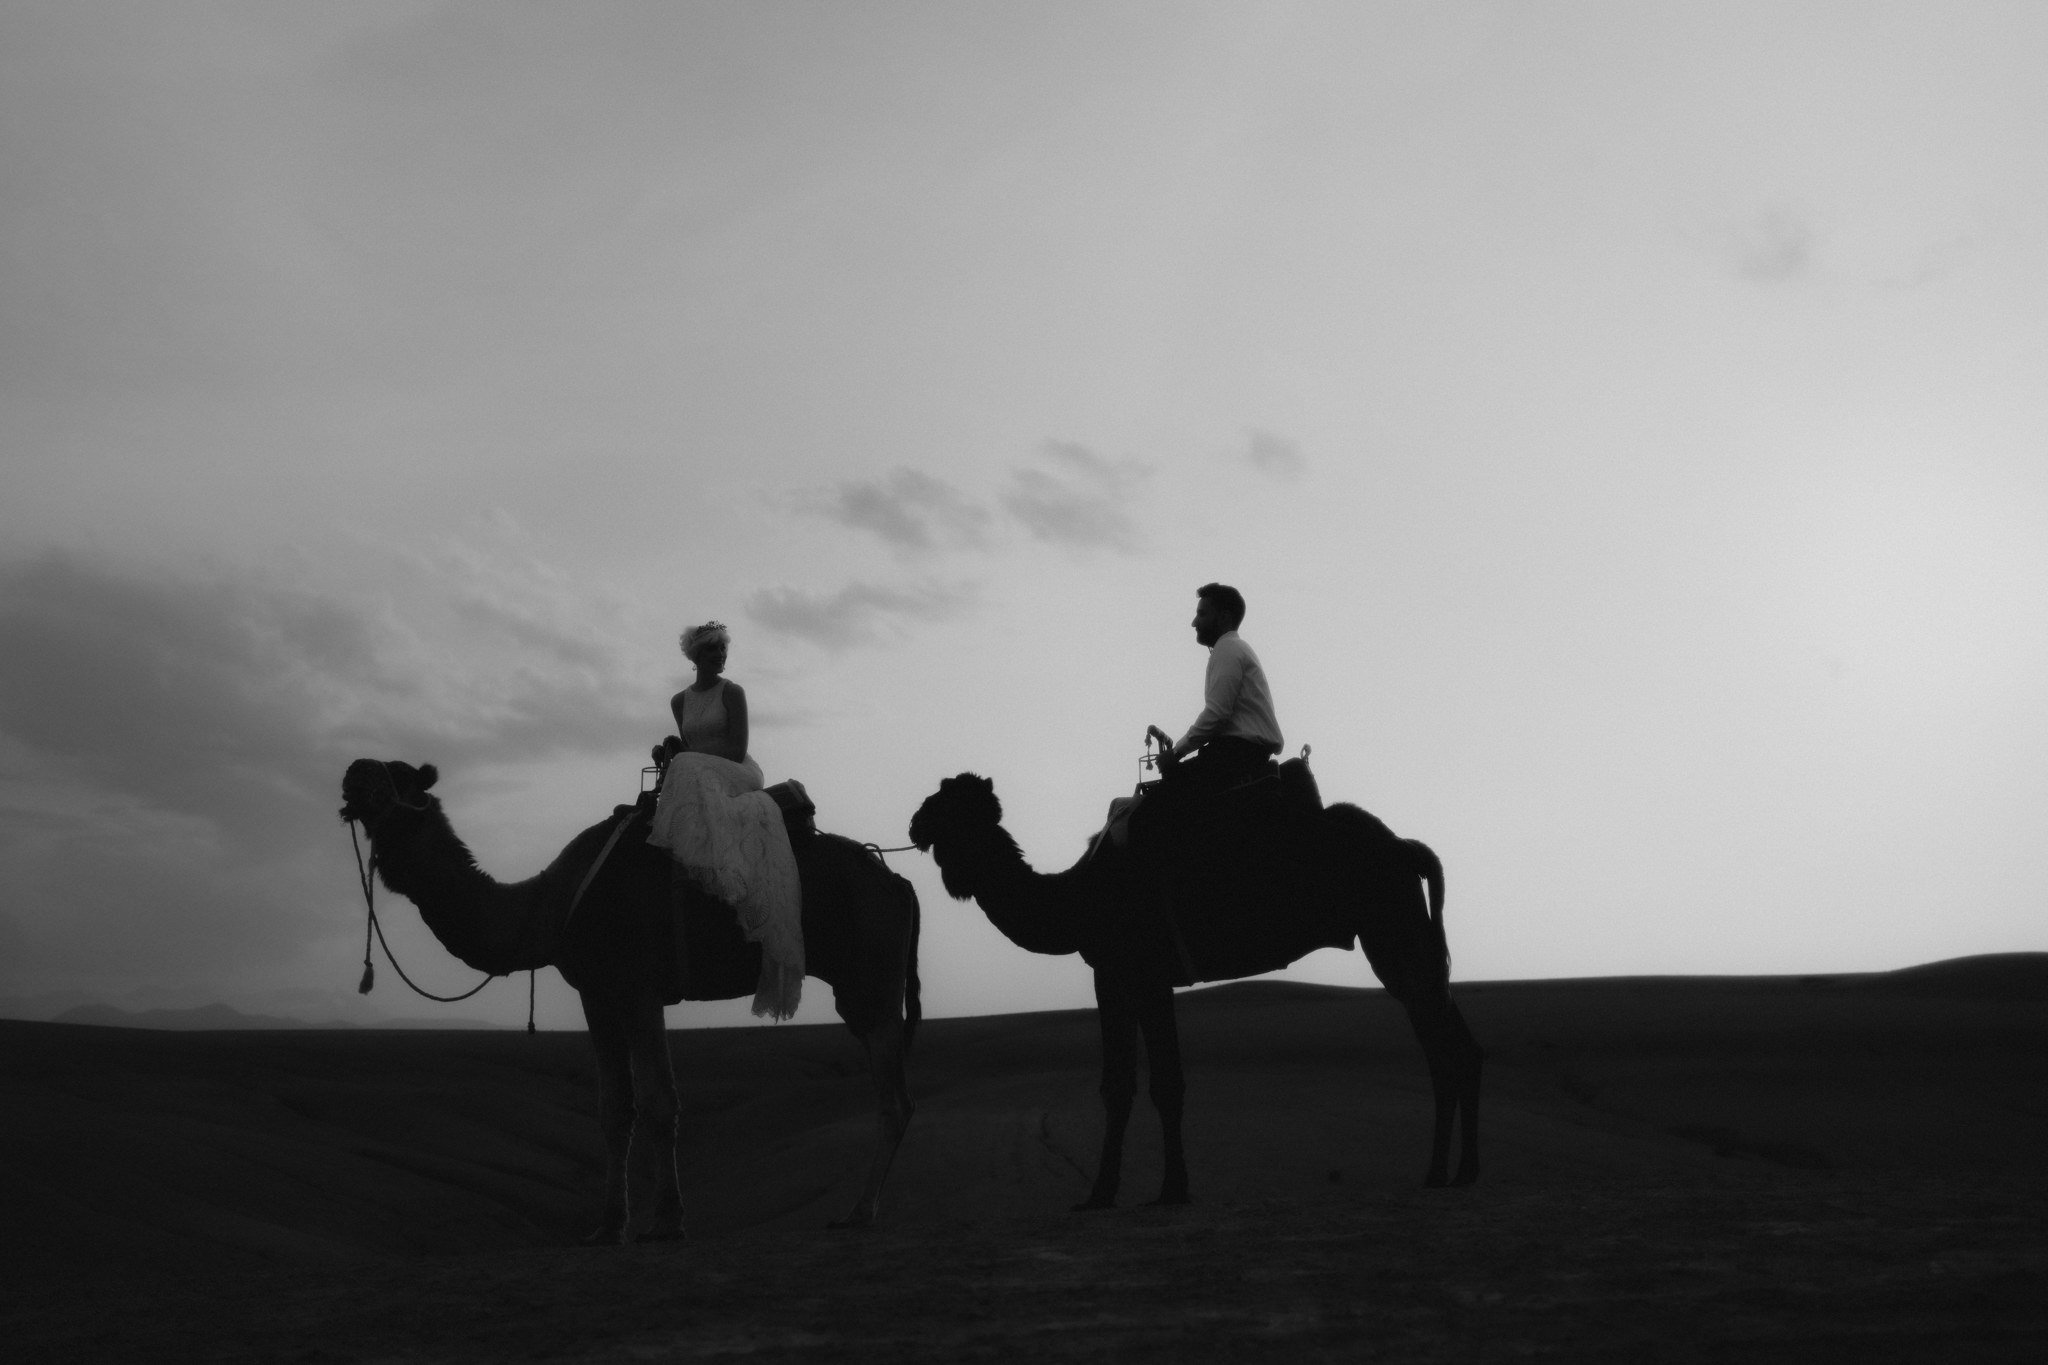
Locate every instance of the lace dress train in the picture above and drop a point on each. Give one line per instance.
(714, 819)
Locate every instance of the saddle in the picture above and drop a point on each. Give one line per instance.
(799, 812)
(1193, 848)
(711, 959)
(1283, 788)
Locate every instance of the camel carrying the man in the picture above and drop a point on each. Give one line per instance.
(1212, 888)
(603, 913)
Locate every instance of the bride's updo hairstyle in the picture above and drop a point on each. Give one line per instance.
(703, 637)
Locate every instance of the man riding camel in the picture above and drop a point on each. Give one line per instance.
(1237, 733)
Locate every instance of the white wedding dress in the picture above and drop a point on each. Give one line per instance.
(727, 833)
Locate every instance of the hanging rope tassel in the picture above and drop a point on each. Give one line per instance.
(529, 999)
(363, 874)
(367, 875)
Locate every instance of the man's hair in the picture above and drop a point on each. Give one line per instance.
(1228, 600)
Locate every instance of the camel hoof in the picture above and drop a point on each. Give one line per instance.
(1170, 1199)
(859, 1218)
(1091, 1204)
(600, 1237)
(1467, 1177)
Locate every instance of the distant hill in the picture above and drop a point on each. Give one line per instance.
(217, 1017)
(197, 1017)
(1988, 976)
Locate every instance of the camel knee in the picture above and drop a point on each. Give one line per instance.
(1168, 1091)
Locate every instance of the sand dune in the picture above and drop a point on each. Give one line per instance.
(346, 1194)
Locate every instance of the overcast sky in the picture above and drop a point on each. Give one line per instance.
(1626, 422)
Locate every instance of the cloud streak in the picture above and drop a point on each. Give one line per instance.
(1076, 498)
(858, 614)
(1274, 456)
(1773, 247)
(909, 510)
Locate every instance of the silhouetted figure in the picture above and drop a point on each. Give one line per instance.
(723, 831)
(610, 935)
(1245, 894)
(1237, 734)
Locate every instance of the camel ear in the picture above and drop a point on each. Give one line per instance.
(429, 774)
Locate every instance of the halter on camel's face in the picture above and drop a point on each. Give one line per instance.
(373, 789)
(963, 801)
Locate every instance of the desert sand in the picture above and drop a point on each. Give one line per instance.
(1844, 1167)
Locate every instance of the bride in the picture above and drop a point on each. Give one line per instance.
(722, 830)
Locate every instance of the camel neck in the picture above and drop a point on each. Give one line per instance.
(491, 926)
(1039, 912)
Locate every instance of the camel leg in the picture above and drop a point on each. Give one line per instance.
(885, 1049)
(614, 1115)
(1454, 1059)
(1167, 1086)
(1116, 1012)
(1473, 1061)
(655, 1112)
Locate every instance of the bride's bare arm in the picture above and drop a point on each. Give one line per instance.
(735, 721)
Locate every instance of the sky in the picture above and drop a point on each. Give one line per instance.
(1624, 421)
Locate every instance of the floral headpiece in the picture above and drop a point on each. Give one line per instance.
(703, 637)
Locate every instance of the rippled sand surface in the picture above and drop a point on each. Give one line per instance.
(1676, 1169)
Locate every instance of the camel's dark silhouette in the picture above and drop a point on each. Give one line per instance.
(619, 951)
(1238, 896)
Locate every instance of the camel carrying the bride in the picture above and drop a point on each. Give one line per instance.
(714, 957)
(603, 913)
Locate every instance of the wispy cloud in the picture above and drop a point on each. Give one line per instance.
(1776, 245)
(1076, 497)
(1274, 456)
(858, 614)
(908, 509)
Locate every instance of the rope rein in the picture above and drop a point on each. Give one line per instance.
(366, 874)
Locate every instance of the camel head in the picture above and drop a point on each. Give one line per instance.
(961, 805)
(372, 789)
(959, 819)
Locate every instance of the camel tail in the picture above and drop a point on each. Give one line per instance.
(1431, 869)
(913, 1009)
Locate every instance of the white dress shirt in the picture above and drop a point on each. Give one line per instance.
(1235, 698)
